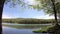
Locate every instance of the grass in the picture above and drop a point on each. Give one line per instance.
(43, 29)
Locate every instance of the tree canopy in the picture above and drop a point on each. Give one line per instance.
(47, 6)
(13, 3)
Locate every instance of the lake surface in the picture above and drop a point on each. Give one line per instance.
(12, 30)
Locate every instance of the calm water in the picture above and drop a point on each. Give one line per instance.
(10, 30)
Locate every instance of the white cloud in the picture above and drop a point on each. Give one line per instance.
(44, 17)
(36, 17)
(5, 16)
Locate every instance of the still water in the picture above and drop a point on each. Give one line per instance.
(10, 30)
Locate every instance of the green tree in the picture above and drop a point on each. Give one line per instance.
(51, 7)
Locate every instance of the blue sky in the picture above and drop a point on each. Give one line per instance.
(18, 12)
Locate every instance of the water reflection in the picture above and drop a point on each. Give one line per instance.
(28, 26)
(21, 29)
(8, 30)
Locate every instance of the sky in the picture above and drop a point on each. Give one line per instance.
(18, 12)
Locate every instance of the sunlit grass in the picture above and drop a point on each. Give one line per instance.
(43, 29)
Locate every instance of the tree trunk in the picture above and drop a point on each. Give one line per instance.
(1, 10)
(55, 12)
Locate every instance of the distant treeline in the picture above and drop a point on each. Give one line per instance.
(29, 21)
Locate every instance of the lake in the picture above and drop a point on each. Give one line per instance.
(9, 28)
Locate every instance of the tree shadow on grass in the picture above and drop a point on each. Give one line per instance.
(54, 30)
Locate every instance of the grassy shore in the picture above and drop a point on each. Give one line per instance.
(43, 29)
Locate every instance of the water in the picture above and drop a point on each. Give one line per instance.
(26, 25)
(10, 30)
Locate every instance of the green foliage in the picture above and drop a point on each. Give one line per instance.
(29, 21)
(54, 30)
(43, 29)
(13, 3)
(47, 6)
(22, 3)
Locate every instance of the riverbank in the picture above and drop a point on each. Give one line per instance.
(42, 30)
(52, 29)
(26, 25)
